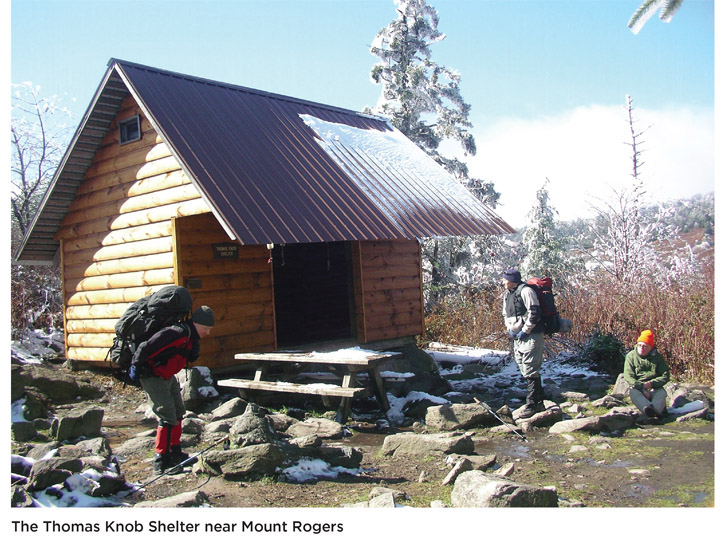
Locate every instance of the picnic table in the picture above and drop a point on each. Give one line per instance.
(344, 364)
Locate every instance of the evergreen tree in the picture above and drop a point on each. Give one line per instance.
(420, 97)
(648, 8)
(544, 246)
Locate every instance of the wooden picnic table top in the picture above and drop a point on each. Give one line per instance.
(349, 357)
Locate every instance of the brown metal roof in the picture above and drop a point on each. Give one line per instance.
(267, 174)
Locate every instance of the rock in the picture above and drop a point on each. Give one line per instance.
(281, 422)
(463, 465)
(575, 396)
(23, 431)
(81, 422)
(233, 464)
(398, 495)
(478, 462)
(192, 499)
(608, 401)
(45, 379)
(621, 388)
(475, 489)
(552, 414)
(438, 504)
(308, 441)
(452, 417)
(578, 448)
(423, 477)
(425, 444)
(193, 425)
(196, 387)
(323, 428)
(618, 419)
(590, 424)
(252, 427)
(692, 415)
(385, 500)
(94, 446)
(505, 470)
(135, 446)
(232, 408)
(48, 472)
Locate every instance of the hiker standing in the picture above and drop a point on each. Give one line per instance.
(647, 372)
(156, 362)
(523, 319)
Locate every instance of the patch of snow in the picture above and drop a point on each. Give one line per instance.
(16, 411)
(693, 406)
(308, 469)
(396, 404)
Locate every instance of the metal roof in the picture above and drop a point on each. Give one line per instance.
(268, 176)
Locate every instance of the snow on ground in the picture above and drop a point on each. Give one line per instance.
(37, 345)
(308, 469)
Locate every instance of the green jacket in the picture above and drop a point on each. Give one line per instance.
(652, 368)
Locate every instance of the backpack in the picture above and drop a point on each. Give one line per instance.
(550, 315)
(144, 318)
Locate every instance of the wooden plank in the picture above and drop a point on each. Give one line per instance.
(287, 387)
(362, 359)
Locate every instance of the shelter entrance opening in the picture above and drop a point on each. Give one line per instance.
(313, 293)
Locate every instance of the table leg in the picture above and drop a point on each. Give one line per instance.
(261, 372)
(377, 385)
(342, 414)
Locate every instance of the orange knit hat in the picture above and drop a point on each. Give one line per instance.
(647, 337)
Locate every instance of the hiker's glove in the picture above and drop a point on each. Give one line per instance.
(134, 373)
(522, 335)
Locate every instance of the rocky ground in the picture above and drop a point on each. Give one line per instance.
(620, 465)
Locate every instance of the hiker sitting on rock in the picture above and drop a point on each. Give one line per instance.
(647, 372)
(523, 319)
(156, 362)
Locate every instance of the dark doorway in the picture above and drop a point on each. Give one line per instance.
(312, 292)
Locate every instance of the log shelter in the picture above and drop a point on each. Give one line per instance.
(297, 222)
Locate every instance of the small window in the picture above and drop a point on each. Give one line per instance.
(130, 130)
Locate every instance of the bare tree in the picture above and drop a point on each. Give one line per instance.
(39, 132)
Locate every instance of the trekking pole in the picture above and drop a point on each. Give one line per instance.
(491, 411)
(184, 462)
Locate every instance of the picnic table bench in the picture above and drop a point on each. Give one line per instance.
(344, 364)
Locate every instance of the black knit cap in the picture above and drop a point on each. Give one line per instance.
(513, 275)
(204, 316)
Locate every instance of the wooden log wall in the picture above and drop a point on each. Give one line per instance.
(117, 237)
(239, 290)
(388, 290)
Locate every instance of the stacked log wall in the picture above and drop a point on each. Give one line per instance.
(117, 237)
(388, 290)
(239, 290)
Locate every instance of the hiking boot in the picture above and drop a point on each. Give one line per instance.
(650, 412)
(162, 462)
(177, 457)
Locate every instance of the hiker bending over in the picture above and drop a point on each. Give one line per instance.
(523, 319)
(647, 372)
(156, 362)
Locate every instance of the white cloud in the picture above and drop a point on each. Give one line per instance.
(584, 153)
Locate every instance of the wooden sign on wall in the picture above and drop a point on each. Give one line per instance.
(225, 251)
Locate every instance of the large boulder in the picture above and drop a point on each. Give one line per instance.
(239, 463)
(252, 427)
(452, 417)
(80, 422)
(425, 444)
(321, 427)
(475, 489)
(590, 424)
(196, 387)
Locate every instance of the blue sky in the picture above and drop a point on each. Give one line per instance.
(537, 73)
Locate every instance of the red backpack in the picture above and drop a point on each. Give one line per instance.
(550, 315)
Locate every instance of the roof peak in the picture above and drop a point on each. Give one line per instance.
(113, 62)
